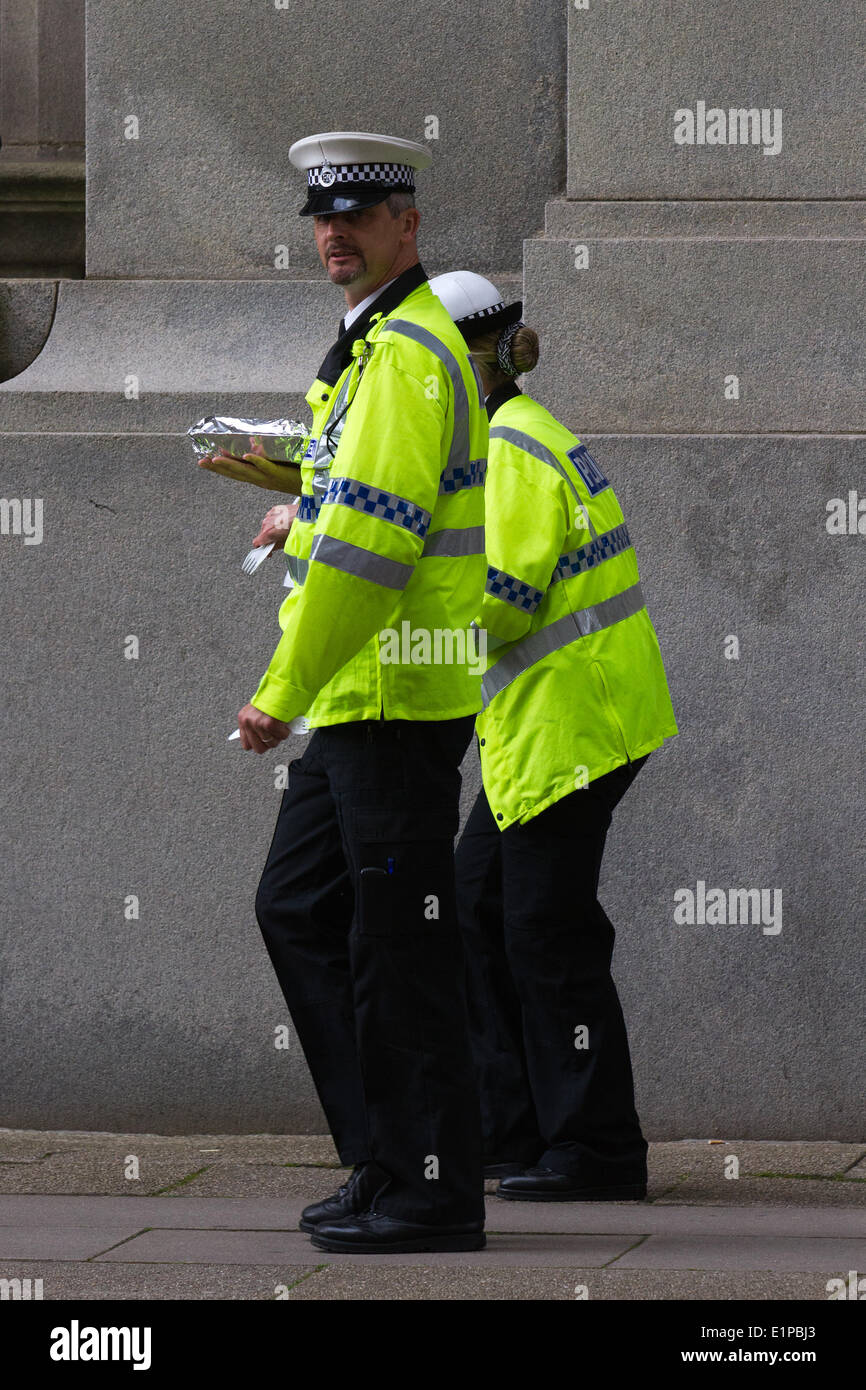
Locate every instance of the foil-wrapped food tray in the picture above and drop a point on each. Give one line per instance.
(281, 441)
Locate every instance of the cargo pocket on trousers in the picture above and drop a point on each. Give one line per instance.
(406, 871)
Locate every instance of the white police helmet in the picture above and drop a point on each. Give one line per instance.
(475, 304)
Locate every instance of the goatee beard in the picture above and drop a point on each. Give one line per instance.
(344, 275)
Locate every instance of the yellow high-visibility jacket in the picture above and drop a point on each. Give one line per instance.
(575, 684)
(389, 532)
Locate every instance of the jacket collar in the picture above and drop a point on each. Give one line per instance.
(500, 395)
(340, 355)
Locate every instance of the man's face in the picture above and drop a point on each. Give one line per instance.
(359, 248)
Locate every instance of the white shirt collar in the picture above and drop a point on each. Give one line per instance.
(351, 314)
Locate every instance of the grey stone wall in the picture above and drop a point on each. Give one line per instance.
(26, 313)
(221, 92)
(42, 183)
(700, 307)
(701, 323)
(42, 78)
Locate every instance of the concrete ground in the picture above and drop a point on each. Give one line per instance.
(134, 1216)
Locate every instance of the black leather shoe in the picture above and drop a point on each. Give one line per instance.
(372, 1232)
(355, 1195)
(544, 1185)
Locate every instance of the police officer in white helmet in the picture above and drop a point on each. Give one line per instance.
(575, 699)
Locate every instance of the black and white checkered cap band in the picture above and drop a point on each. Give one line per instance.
(402, 174)
(482, 313)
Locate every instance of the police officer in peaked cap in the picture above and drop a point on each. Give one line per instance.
(357, 899)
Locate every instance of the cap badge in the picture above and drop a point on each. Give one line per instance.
(327, 174)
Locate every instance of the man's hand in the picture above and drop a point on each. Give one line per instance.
(277, 523)
(259, 731)
(261, 472)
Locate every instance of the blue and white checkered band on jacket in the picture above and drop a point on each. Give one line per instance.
(402, 175)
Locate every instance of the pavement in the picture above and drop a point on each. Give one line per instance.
(202, 1217)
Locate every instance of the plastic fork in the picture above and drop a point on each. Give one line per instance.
(256, 557)
(299, 725)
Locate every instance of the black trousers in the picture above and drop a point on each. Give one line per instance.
(357, 908)
(548, 1035)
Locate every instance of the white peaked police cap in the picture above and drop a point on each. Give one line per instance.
(475, 304)
(350, 169)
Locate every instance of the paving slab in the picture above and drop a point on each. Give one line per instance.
(339, 1283)
(60, 1242)
(161, 1246)
(833, 1254)
(17, 1145)
(92, 1172)
(781, 1192)
(193, 1213)
(650, 1218)
(265, 1181)
(566, 1218)
(10, 1161)
(674, 1159)
(198, 1148)
(99, 1281)
(98, 1164)
(267, 1247)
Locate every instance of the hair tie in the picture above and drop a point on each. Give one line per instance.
(503, 349)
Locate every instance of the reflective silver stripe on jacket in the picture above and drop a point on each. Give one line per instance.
(539, 451)
(511, 590)
(478, 382)
(491, 639)
(309, 508)
(353, 559)
(604, 547)
(458, 454)
(323, 456)
(454, 541)
(387, 506)
(297, 568)
(569, 628)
